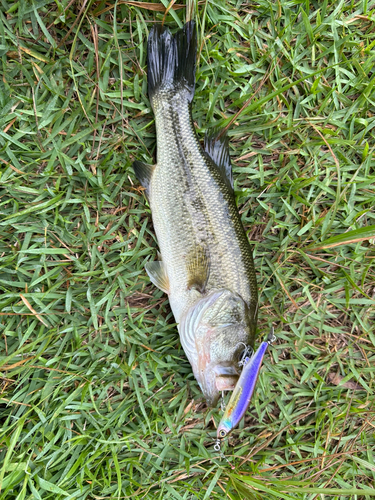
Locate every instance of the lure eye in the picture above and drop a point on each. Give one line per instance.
(222, 433)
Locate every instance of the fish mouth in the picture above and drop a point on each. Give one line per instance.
(226, 378)
(213, 380)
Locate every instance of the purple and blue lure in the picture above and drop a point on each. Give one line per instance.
(241, 397)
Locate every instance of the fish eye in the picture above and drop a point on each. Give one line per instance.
(222, 433)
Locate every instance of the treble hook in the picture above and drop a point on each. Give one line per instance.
(271, 337)
(217, 447)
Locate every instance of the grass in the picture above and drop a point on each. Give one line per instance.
(97, 397)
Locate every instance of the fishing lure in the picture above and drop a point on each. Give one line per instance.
(241, 397)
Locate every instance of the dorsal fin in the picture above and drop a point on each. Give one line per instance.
(216, 145)
(158, 275)
(143, 172)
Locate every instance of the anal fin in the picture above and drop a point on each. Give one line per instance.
(158, 275)
(143, 172)
(198, 265)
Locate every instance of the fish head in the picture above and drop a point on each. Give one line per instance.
(214, 332)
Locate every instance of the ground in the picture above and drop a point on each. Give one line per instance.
(97, 397)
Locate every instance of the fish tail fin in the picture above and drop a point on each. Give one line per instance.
(171, 62)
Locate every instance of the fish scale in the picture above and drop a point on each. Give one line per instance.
(179, 228)
(207, 267)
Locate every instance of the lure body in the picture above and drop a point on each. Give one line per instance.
(241, 396)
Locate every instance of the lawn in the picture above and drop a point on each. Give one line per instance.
(97, 398)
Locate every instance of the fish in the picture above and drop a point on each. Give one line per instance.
(242, 394)
(206, 265)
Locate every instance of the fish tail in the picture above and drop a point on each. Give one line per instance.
(171, 62)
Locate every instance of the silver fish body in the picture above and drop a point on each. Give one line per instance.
(207, 267)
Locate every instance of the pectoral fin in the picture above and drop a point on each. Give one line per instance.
(198, 269)
(158, 275)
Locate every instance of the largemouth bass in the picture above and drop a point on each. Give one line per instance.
(206, 265)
